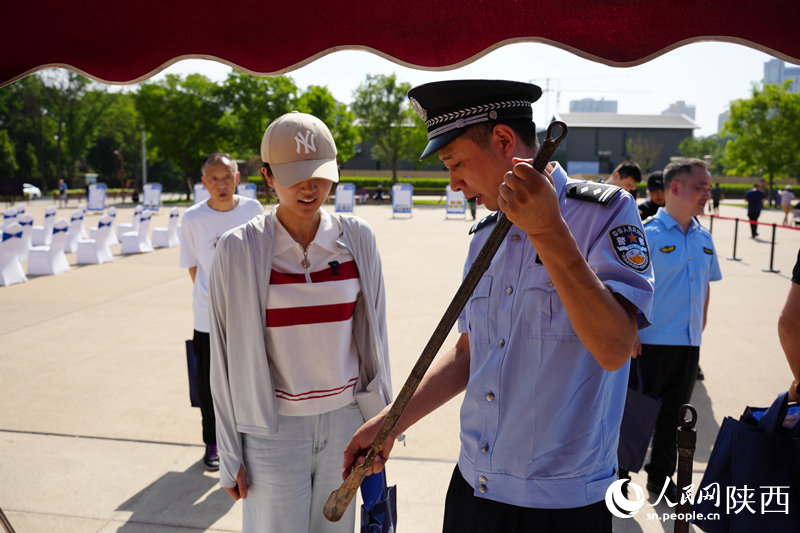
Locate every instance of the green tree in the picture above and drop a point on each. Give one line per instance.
(184, 119)
(644, 151)
(119, 131)
(319, 101)
(31, 127)
(251, 102)
(764, 129)
(8, 161)
(711, 147)
(387, 120)
(76, 104)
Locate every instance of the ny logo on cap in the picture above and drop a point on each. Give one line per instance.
(306, 140)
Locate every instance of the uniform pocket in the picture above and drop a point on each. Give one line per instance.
(543, 312)
(478, 311)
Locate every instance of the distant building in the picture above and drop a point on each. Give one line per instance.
(590, 105)
(596, 141)
(776, 72)
(680, 108)
(722, 118)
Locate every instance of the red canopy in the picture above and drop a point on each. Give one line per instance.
(128, 41)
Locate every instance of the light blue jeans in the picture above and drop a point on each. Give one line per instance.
(291, 474)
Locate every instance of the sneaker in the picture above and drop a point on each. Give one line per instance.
(211, 458)
(700, 375)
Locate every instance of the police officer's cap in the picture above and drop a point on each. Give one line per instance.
(450, 107)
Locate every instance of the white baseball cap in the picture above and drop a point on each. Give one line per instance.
(299, 146)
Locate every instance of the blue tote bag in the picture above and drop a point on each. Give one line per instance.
(379, 511)
(756, 466)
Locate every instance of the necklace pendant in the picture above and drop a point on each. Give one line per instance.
(305, 263)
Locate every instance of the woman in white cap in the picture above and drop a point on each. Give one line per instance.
(298, 338)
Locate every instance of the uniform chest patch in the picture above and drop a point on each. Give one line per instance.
(709, 251)
(667, 249)
(630, 246)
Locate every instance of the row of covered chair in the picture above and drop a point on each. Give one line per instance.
(62, 236)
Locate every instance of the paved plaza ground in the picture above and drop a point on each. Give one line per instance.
(96, 430)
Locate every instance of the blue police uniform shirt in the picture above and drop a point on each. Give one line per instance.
(684, 264)
(540, 418)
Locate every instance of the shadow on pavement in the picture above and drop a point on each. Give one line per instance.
(190, 499)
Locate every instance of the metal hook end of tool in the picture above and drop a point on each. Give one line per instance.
(688, 424)
(556, 124)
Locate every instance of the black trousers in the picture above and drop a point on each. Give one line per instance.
(464, 513)
(202, 349)
(753, 216)
(668, 372)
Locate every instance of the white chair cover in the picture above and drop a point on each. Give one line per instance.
(10, 267)
(168, 237)
(9, 216)
(112, 236)
(41, 234)
(75, 231)
(95, 251)
(134, 225)
(83, 209)
(49, 260)
(134, 242)
(26, 221)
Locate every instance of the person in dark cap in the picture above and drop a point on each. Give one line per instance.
(544, 377)
(655, 186)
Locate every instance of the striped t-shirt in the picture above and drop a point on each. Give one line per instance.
(312, 295)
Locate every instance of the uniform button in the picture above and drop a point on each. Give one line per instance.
(483, 479)
(515, 238)
(549, 283)
(501, 343)
(509, 290)
(490, 397)
(690, 258)
(691, 279)
(485, 448)
(483, 488)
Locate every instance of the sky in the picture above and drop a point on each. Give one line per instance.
(707, 75)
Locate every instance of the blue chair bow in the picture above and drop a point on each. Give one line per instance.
(49, 215)
(101, 224)
(7, 236)
(57, 230)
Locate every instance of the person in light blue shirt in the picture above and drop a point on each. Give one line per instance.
(684, 262)
(544, 374)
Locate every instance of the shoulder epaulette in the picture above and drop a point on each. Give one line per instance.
(598, 193)
(485, 221)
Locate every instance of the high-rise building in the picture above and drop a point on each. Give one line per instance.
(776, 72)
(680, 108)
(590, 105)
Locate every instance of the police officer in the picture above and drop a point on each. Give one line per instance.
(545, 377)
(684, 262)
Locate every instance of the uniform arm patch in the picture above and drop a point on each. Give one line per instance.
(709, 251)
(630, 246)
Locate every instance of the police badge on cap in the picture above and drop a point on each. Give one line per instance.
(450, 107)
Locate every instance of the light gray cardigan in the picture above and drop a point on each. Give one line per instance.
(241, 385)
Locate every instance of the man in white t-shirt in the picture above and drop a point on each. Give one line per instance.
(202, 226)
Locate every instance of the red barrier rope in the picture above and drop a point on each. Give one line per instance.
(747, 220)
